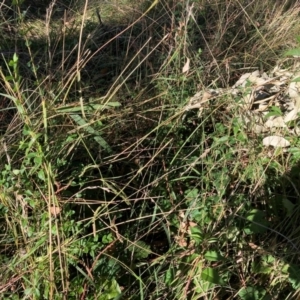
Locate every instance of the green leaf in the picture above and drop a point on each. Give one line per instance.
(41, 175)
(16, 172)
(202, 286)
(169, 276)
(294, 276)
(274, 111)
(293, 52)
(28, 291)
(221, 140)
(107, 238)
(297, 79)
(260, 269)
(289, 206)
(87, 107)
(102, 143)
(258, 222)
(15, 58)
(252, 293)
(86, 127)
(140, 250)
(196, 234)
(192, 194)
(37, 160)
(110, 290)
(213, 255)
(211, 275)
(113, 104)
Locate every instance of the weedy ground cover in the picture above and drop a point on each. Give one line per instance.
(109, 187)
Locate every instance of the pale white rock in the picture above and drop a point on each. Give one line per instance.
(255, 73)
(297, 130)
(258, 129)
(186, 67)
(265, 76)
(293, 90)
(275, 122)
(256, 80)
(296, 76)
(276, 141)
(242, 80)
(252, 77)
(291, 116)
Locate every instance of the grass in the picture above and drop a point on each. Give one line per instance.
(109, 188)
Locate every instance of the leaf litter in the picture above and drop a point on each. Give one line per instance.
(258, 95)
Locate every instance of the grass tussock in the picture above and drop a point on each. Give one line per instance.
(109, 187)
